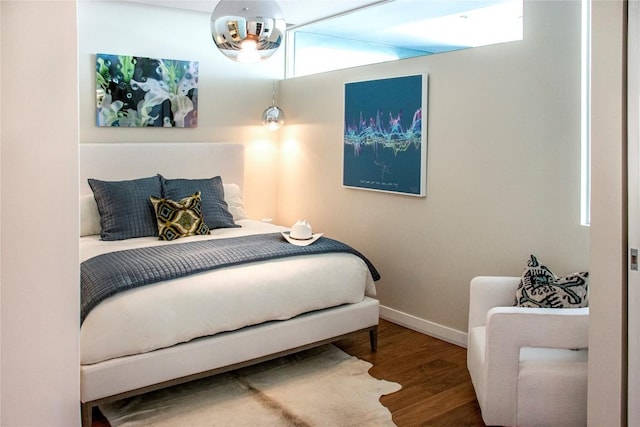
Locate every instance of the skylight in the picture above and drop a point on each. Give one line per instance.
(370, 35)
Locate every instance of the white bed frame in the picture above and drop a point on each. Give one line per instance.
(132, 375)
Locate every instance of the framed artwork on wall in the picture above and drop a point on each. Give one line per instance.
(133, 91)
(385, 145)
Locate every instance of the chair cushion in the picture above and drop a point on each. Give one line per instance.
(540, 288)
(552, 387)
(555, 356)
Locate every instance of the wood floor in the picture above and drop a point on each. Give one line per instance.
(436, 388)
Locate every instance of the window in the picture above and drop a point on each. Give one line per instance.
(398, 29)
(585, 113)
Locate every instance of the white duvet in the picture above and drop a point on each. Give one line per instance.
(175, 311)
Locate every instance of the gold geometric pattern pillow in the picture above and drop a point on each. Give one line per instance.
(179, 219)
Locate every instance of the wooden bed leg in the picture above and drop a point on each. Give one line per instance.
(86, 411)
(373, 338)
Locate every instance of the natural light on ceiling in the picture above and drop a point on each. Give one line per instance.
(347, 41)
(480, 27)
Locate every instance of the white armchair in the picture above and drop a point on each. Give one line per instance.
(528, 365)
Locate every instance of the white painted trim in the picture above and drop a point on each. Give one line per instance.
(427, 327)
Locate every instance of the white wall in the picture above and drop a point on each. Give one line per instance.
(607, 343)
(39, 343)
(503, 179)
(39, 221)
(231, 99)
(0, 213)
(503, 175)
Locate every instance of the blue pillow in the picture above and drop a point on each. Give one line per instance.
(125, 207)
(214, 208)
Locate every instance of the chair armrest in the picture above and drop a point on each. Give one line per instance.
(511, 328)
(486, 292)
(517, 327)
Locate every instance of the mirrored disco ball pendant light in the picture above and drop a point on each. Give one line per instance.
(273, 116)
(247, 31)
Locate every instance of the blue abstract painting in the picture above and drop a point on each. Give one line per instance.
(385, 135)
(134, 91)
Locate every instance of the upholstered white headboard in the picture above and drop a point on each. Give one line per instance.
(120, 161)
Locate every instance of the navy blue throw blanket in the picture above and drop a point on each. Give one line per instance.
(105, 275)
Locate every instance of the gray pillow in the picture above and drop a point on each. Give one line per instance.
(125, 207)
(214, 208)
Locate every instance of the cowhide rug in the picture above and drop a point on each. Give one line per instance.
(318, 387)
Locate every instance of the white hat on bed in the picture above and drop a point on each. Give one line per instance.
(301, 234)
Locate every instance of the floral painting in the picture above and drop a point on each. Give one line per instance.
(385, 135)
(134, 91)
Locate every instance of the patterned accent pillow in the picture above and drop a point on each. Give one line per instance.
(125, 210)
(179, 219)
(540, 288)
(214, 207)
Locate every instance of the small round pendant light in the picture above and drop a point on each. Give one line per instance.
(247, 31)
(273, 116)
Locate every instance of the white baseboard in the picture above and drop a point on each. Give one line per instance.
(426, 327)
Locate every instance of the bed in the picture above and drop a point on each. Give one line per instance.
(189, 326)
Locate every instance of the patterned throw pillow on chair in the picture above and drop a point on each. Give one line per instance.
(540, 288)
(179, 219)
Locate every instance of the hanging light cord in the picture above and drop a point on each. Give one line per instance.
(273, 93)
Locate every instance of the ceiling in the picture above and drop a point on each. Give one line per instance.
(296, 12)
(409, 27)
(425, 25)
(380, 14)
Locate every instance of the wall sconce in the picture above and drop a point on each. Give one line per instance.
(273, 116)
(247, 31)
